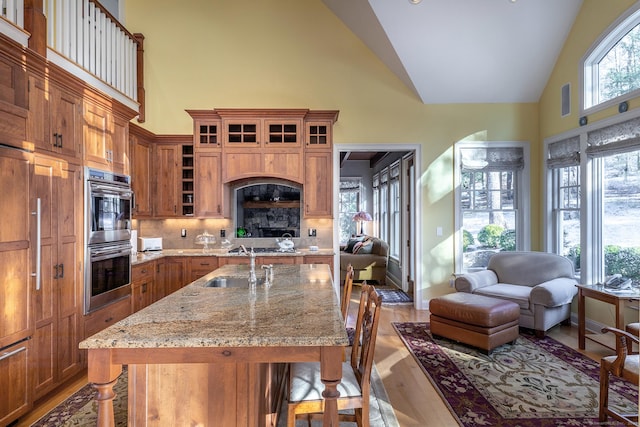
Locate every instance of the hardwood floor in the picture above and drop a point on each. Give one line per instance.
(415, 401)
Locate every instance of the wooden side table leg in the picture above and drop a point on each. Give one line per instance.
(105, 398)
(620, 314)
(581, 320)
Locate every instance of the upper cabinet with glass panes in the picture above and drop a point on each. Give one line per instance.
(318, 128)
(261, 128)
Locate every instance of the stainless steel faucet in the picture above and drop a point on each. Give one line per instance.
(252, 265)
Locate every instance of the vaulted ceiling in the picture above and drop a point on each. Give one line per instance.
(464, 51)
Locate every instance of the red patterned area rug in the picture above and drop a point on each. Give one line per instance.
(535, 382)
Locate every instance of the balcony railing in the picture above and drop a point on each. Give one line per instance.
(12, 22)
(83, 38)
(13, 11)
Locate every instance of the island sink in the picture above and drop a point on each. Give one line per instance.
(230, 282)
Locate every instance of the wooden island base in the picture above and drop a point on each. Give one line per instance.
(238, 394)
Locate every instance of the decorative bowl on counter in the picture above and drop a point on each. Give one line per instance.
(205, 239)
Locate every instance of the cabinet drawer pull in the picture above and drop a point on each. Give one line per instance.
(108, 319)
(12, 353)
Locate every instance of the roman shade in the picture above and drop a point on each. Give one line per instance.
(615, 139)
(492, 158)
(564, 153)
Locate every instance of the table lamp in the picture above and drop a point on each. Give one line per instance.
(362, 216)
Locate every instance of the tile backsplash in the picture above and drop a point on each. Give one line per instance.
(171, 229)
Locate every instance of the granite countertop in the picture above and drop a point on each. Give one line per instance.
(300, 308)
(143, 257)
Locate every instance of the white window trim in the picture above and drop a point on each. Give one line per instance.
(523, 214)
(596, 52)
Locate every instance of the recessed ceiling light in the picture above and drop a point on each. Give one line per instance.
(414, 1)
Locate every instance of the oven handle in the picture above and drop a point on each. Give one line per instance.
(38, 214)
(102, 254)
(99, 190)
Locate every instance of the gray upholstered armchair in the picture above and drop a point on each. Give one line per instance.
(541, 283)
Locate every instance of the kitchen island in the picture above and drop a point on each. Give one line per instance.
(217, 356)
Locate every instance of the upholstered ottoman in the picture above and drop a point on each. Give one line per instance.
(477, 320)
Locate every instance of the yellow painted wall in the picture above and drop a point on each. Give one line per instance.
(203, 54)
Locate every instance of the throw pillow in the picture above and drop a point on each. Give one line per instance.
(351, 243)
(365, 248)
(357, 247)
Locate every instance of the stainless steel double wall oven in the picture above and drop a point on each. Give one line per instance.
(108, 199)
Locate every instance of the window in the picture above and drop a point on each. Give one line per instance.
(594, 178)
(491, 201)
(376, 205)
(384, 205)
(614, 154)
(611, 69)
(563, 162)
(394, 204)
(349, 204)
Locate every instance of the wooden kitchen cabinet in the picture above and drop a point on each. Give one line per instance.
(265, 260)
(262, 143)
(208, 189)
(260, 260)
(207, 134)
(239, 132)
(142, 285)
(319, 259)
(318, 197)
(174, 180)
(58, 297)
(174, 273)
(16, 326)
(141, 151)
(15, 265)
(55, 118)
(167, 166)
(106, 316)
(14, 102)
(202, 265)
(16, 390)
(290, 144)
(106, 138)
(318, 135)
